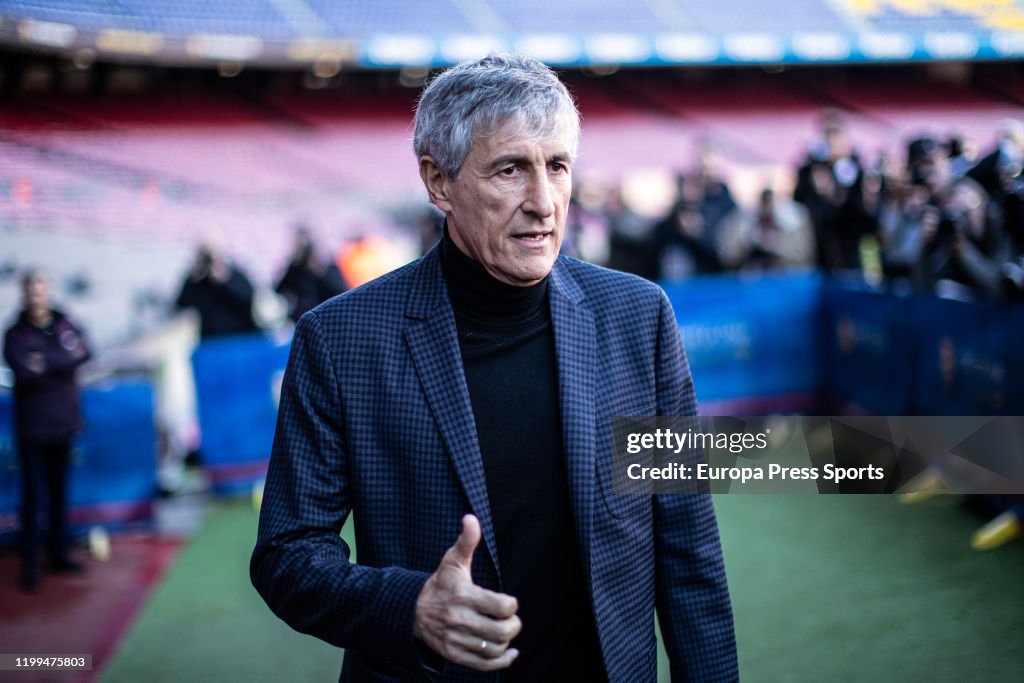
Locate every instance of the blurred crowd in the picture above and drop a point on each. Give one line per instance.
(224, 297)
(936, 216)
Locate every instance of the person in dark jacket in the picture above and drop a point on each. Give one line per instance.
(309, 279)
(965, 245)
(221, 294)
(996, 170)
(830, 183)
(44, 349)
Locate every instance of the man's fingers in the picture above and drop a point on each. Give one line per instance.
(467, 624)
(480, 627)
(487, 649)
(475, 661)
(465, 544)
(497, 605)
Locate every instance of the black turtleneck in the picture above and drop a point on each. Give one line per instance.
(508, 353)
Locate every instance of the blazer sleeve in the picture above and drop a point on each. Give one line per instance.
(692, 597)
(300, 565)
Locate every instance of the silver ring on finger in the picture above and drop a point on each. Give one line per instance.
(483, 645)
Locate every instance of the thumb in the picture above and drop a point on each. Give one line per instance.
(466, 543)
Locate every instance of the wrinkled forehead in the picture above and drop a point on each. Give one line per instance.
(507, 131)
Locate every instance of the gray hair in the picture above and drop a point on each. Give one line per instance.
(474, 98)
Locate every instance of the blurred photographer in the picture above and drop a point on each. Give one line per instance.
(908, 208)
(830, 183)
(1013, 223)
(220, 292)
(702, 234)
(781, 234)
(962, 151)
(928, 166)
(310, 278)
(967, 244)
(996, 171)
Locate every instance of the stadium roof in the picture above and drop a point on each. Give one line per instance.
(394, 33)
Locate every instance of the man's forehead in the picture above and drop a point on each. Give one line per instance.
(516, 135)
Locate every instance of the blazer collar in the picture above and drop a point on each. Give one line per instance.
(434, 347)
(428, 291)
(576, 359)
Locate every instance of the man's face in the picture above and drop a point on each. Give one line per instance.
(507, 210)
(37, 295)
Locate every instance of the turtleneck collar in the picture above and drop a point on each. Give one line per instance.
(476, 293)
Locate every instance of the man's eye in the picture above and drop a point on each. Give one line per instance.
(559, 167)
(508, 170)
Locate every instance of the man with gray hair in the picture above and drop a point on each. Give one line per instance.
(460, 408)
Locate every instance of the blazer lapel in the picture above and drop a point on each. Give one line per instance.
(575, 344)
(434, 346)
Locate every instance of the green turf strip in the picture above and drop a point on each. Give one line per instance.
(825, 588)
(862, 588)
(205, 622)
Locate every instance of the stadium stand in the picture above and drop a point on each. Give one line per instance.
(364, 17)
(575, 32)
(946, 15)
(168, 167)
(591, 17)
(166, 16)
(751, 15)
(127, 156)
(892, 18)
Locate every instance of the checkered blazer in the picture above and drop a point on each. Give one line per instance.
(375, 420)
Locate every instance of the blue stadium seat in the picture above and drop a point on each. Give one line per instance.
(84, 14)
(892, 19)
(362, 17)
(589, 16)
(716, 16)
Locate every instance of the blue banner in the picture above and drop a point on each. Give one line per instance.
(752, 343)
(964, 353)
(756, 345)
(800, 343)
(867, 345)
(112, 475)
(238, 383)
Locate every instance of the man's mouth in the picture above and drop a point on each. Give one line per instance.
(533, 236)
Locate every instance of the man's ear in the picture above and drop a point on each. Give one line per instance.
(437, 183)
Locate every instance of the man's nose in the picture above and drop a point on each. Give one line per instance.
(538, 200)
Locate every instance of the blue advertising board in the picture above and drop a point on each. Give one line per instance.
(794, 343)
(112, 476)
(238, 382)
(752, 343)
(964, 358)
(867, 343)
